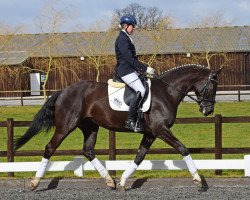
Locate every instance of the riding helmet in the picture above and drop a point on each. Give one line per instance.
(128, 19)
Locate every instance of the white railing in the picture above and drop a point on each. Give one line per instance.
(78, 165)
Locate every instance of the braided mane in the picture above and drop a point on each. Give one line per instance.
(182, 66)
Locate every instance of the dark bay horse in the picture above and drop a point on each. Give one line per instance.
(84, 105)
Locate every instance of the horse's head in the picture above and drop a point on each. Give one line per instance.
(205, 91)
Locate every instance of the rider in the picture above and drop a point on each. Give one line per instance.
(128, 68)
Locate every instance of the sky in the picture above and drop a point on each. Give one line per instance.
(84, 13)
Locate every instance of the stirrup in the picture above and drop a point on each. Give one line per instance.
(129, 124)
(136, 127)
(139, 127)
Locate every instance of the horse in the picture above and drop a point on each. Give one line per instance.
(85, 105)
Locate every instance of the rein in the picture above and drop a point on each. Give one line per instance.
(199, 102)
(178, 90)
(192, 98)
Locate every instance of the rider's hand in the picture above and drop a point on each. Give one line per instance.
(150, 71)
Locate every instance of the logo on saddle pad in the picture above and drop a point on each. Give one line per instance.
(116, 96)
(117, 102)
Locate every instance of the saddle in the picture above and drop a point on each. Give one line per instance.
(120, 94)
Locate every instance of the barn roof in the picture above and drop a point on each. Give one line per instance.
(16, 49)
(13, 57)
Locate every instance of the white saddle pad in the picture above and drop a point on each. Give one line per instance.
(116, 101)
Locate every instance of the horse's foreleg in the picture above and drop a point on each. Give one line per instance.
(192, 169)
(168, 137)
(146, 142)
(104, 173)
(90, 134)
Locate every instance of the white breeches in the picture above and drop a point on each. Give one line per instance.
(134, 82)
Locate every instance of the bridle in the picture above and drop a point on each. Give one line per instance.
(204, 90)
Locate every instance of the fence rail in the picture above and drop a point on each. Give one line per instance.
(78, 165)
(218, 150)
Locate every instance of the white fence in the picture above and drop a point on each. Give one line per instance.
(78, 165)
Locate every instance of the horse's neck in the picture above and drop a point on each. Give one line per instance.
(181, 82)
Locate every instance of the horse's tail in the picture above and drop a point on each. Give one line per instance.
(43, 120)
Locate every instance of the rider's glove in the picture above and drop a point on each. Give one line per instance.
(150, 71)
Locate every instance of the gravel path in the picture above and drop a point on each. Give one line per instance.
(70, 189)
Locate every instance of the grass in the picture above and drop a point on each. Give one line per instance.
(192, 135)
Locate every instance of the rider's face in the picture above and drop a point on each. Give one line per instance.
(130, 29)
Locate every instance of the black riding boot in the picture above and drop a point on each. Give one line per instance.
(131, 122)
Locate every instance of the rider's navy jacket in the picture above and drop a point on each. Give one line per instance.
(127, 61)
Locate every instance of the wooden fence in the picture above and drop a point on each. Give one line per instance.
(218, 150)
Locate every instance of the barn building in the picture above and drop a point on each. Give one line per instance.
(61, 59)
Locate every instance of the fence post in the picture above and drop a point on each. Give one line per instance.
(21, 98)
(218, 140)
(78, 161)
(247, 165)
(10, 143)
(112, 149)
(239, 94)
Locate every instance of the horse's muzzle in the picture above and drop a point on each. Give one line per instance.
(206, 110)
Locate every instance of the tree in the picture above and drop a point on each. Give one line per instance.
(204, 36)
(7, 33)
(147, 18)
(202, 44)
(8, 49)
(49, 22)
(95, 47)
(212, 20)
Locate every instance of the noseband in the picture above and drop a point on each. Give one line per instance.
(205, 89)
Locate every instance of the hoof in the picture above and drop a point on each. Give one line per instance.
(197, 183)
(121, 188)
(111, 184)
(201, 183)
(204, 184)
(34, 183)
(197, 180)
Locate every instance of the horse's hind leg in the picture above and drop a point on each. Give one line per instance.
(59, 135)
(168, 137)
(90, 130)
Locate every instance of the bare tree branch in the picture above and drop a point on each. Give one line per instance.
(147, 18)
